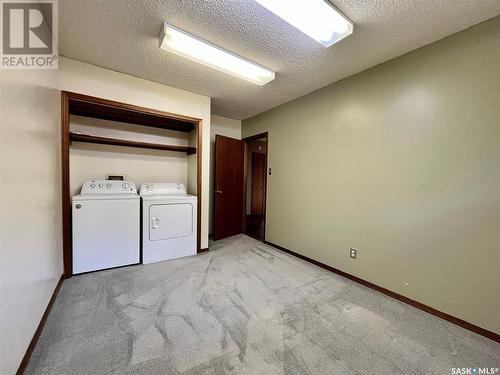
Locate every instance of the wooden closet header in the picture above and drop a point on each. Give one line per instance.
(89, 106)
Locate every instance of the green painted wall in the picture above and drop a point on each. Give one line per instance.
(401, 161)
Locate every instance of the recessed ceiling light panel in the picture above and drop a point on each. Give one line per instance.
(317, 18)
(186, 45)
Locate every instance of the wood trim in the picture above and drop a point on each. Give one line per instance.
(248, 139)
(265, 186)
(135, 108)
(255, 137)
(203, 250)
(245, 190)
(85, 101)
(450, 318)
(199, 175)
(127, 143)
(90, 106)
(29, 351)
(66, 199)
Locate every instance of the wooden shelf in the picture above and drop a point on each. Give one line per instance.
(88, 106)
(74, 137)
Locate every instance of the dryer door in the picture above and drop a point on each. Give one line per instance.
(167, 221)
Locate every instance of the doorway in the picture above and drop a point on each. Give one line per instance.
(256, 184)
(240, 186)
(229, 187)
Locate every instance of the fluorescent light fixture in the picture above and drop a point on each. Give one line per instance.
(316, 18)
(186, 45)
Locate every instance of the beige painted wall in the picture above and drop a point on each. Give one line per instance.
(402, 162)
(90, 161)
(30, 253)
(91, 80)
(229, 128)
(30, 211)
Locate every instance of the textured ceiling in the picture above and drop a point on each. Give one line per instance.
(122, 35)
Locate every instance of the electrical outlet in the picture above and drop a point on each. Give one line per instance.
(353, 253)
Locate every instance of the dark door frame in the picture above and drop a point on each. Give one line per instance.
(90, 106)
(246, 140)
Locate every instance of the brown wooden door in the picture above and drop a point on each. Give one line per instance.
(258, 183)
(229, 186)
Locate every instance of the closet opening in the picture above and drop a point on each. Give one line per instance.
(128, 127)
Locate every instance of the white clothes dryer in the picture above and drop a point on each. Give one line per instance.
(169, 222)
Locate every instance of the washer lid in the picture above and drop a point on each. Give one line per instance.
(98, 197)
(163, 188)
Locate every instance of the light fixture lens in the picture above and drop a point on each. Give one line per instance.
(316, 18)
(193, 48)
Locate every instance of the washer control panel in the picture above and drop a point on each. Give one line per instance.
(108, 187)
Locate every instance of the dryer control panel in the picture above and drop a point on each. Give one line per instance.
(163, 188)
(108, 187)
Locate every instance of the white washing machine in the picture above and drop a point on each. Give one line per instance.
(169, 218)
(106, 225)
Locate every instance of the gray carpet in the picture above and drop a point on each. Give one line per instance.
(244, 308)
